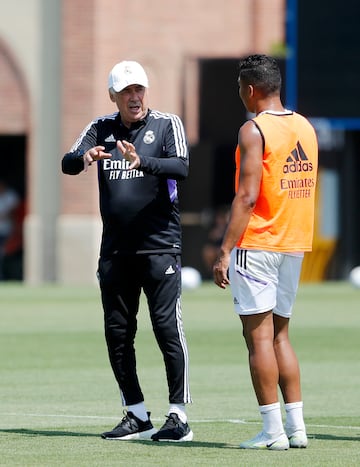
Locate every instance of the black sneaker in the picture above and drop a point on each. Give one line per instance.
(131, 427)
(173, 430)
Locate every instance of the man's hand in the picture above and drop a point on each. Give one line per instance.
(94, 154)
(128, 151)
(220, 270)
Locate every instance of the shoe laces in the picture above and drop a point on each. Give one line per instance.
(127, 421)
(172, 421)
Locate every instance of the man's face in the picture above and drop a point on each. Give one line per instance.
(131, 102)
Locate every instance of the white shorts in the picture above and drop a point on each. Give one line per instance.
(262, 281)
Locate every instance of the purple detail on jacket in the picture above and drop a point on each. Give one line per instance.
(172, 187)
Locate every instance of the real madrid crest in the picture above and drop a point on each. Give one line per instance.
(149, 137)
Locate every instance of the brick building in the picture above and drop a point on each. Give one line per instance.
(55, 56)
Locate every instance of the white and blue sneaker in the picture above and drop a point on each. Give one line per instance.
(264, 441)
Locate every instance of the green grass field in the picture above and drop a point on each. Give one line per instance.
(57, 392)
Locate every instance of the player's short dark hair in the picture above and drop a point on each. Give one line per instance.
(262, 72)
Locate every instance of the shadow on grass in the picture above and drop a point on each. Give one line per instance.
(326, 437)
(25, 431)
(193, 444)
(209, 444)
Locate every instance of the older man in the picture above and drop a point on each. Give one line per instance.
(140, 154)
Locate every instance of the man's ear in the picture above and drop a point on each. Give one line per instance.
(251, 90)
(111, 95)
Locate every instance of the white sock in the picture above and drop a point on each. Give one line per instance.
(139, 410)
(294, 417)
(272, 421)
(179, 409)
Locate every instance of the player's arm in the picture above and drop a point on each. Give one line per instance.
(84, 152)
(251, 150)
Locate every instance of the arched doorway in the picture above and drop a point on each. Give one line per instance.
(13, 146)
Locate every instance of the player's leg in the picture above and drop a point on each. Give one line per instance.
(120, 292)
(289, 371)
(289, 382)
(253, 278)
(259, 333)
(162, 287)
(120, 299)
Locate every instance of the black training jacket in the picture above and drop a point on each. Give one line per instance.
(139, 208)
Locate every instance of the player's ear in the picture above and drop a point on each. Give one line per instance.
(251, 90)
(111, 95)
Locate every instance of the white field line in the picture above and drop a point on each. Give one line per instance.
(98, 417)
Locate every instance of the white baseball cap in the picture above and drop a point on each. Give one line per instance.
(126, 73)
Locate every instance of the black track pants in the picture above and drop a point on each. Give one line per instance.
(121, 280)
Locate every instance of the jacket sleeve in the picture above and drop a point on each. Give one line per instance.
(174, 162)
(170, 167)
(72, 162)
